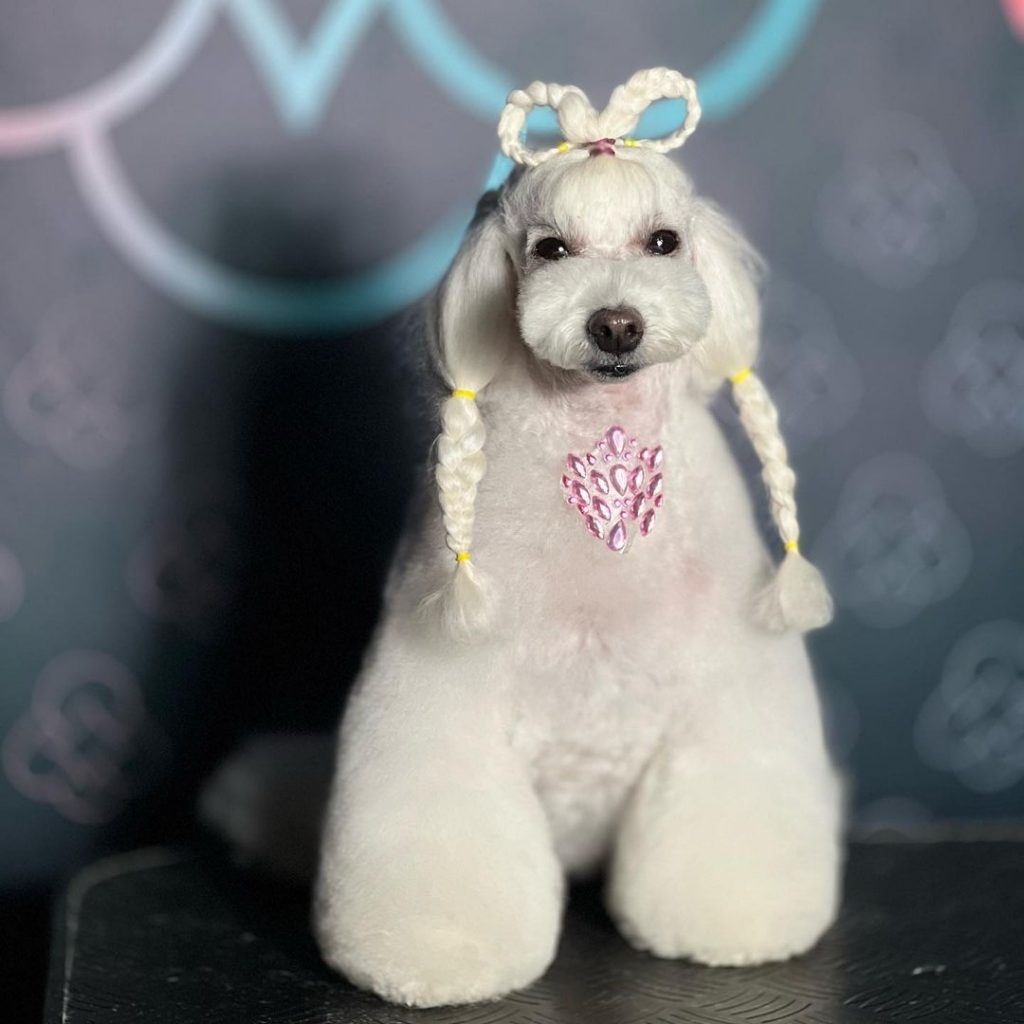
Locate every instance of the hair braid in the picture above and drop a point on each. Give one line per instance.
(472, 328)
(797, 597)
(581, 124)
(577, 119)
(629, 100)
(760, 420)
(460, 468)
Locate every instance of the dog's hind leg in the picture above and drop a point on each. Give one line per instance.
(267, 801)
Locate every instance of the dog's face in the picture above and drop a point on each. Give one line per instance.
(604, 256)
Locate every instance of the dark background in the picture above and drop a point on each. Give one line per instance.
(215, 215)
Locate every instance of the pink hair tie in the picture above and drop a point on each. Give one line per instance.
(603, 147)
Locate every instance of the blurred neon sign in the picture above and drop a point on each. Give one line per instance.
(301, 76)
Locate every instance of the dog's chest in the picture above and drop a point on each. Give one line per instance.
(598, 707)
(585, 729)
(596, 530)
(603, 630)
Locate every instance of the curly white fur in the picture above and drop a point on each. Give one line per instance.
(626, 711)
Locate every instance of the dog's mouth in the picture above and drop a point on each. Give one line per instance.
(614, 371)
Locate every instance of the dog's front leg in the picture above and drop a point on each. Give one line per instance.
(729, 851)
(438, 880)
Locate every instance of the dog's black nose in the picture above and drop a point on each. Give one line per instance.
(616, 330)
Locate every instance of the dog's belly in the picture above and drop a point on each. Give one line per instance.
(586, 733)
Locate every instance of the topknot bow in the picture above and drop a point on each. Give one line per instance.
(598, 131)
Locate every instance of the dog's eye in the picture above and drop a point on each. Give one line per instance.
(661, 243)
(551, 249)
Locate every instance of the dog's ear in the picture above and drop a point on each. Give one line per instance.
(473, 314)
(796, 597)
(731, 270)
(474, 325)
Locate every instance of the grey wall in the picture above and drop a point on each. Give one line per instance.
(214, 214)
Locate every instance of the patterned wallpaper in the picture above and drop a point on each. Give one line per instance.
(216, 215)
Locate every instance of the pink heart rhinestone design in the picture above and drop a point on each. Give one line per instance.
(616, 487)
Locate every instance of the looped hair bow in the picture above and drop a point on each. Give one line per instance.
(600, 132)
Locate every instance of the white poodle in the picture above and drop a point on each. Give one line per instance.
(582, 660)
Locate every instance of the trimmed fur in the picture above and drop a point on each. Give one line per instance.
(625, 712)
(620, 710)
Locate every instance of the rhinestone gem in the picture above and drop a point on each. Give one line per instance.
(617, 536)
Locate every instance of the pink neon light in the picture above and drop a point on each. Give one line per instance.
(1014, 10)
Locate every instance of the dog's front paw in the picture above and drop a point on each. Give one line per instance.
(720, 938)
(424, 927)
(472, 950)
(740, 908)
(439, 960)
(722, 929)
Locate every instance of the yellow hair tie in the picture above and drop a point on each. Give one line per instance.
(792, 545)
(741, 375)
(629, 142)
(562, 147)
(461, 556)
(463, 393)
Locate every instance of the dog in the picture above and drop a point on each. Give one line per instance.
(586, 660)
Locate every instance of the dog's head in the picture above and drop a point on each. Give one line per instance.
(598, 256)
(619, 266)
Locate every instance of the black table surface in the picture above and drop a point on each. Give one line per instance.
(928, 932)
